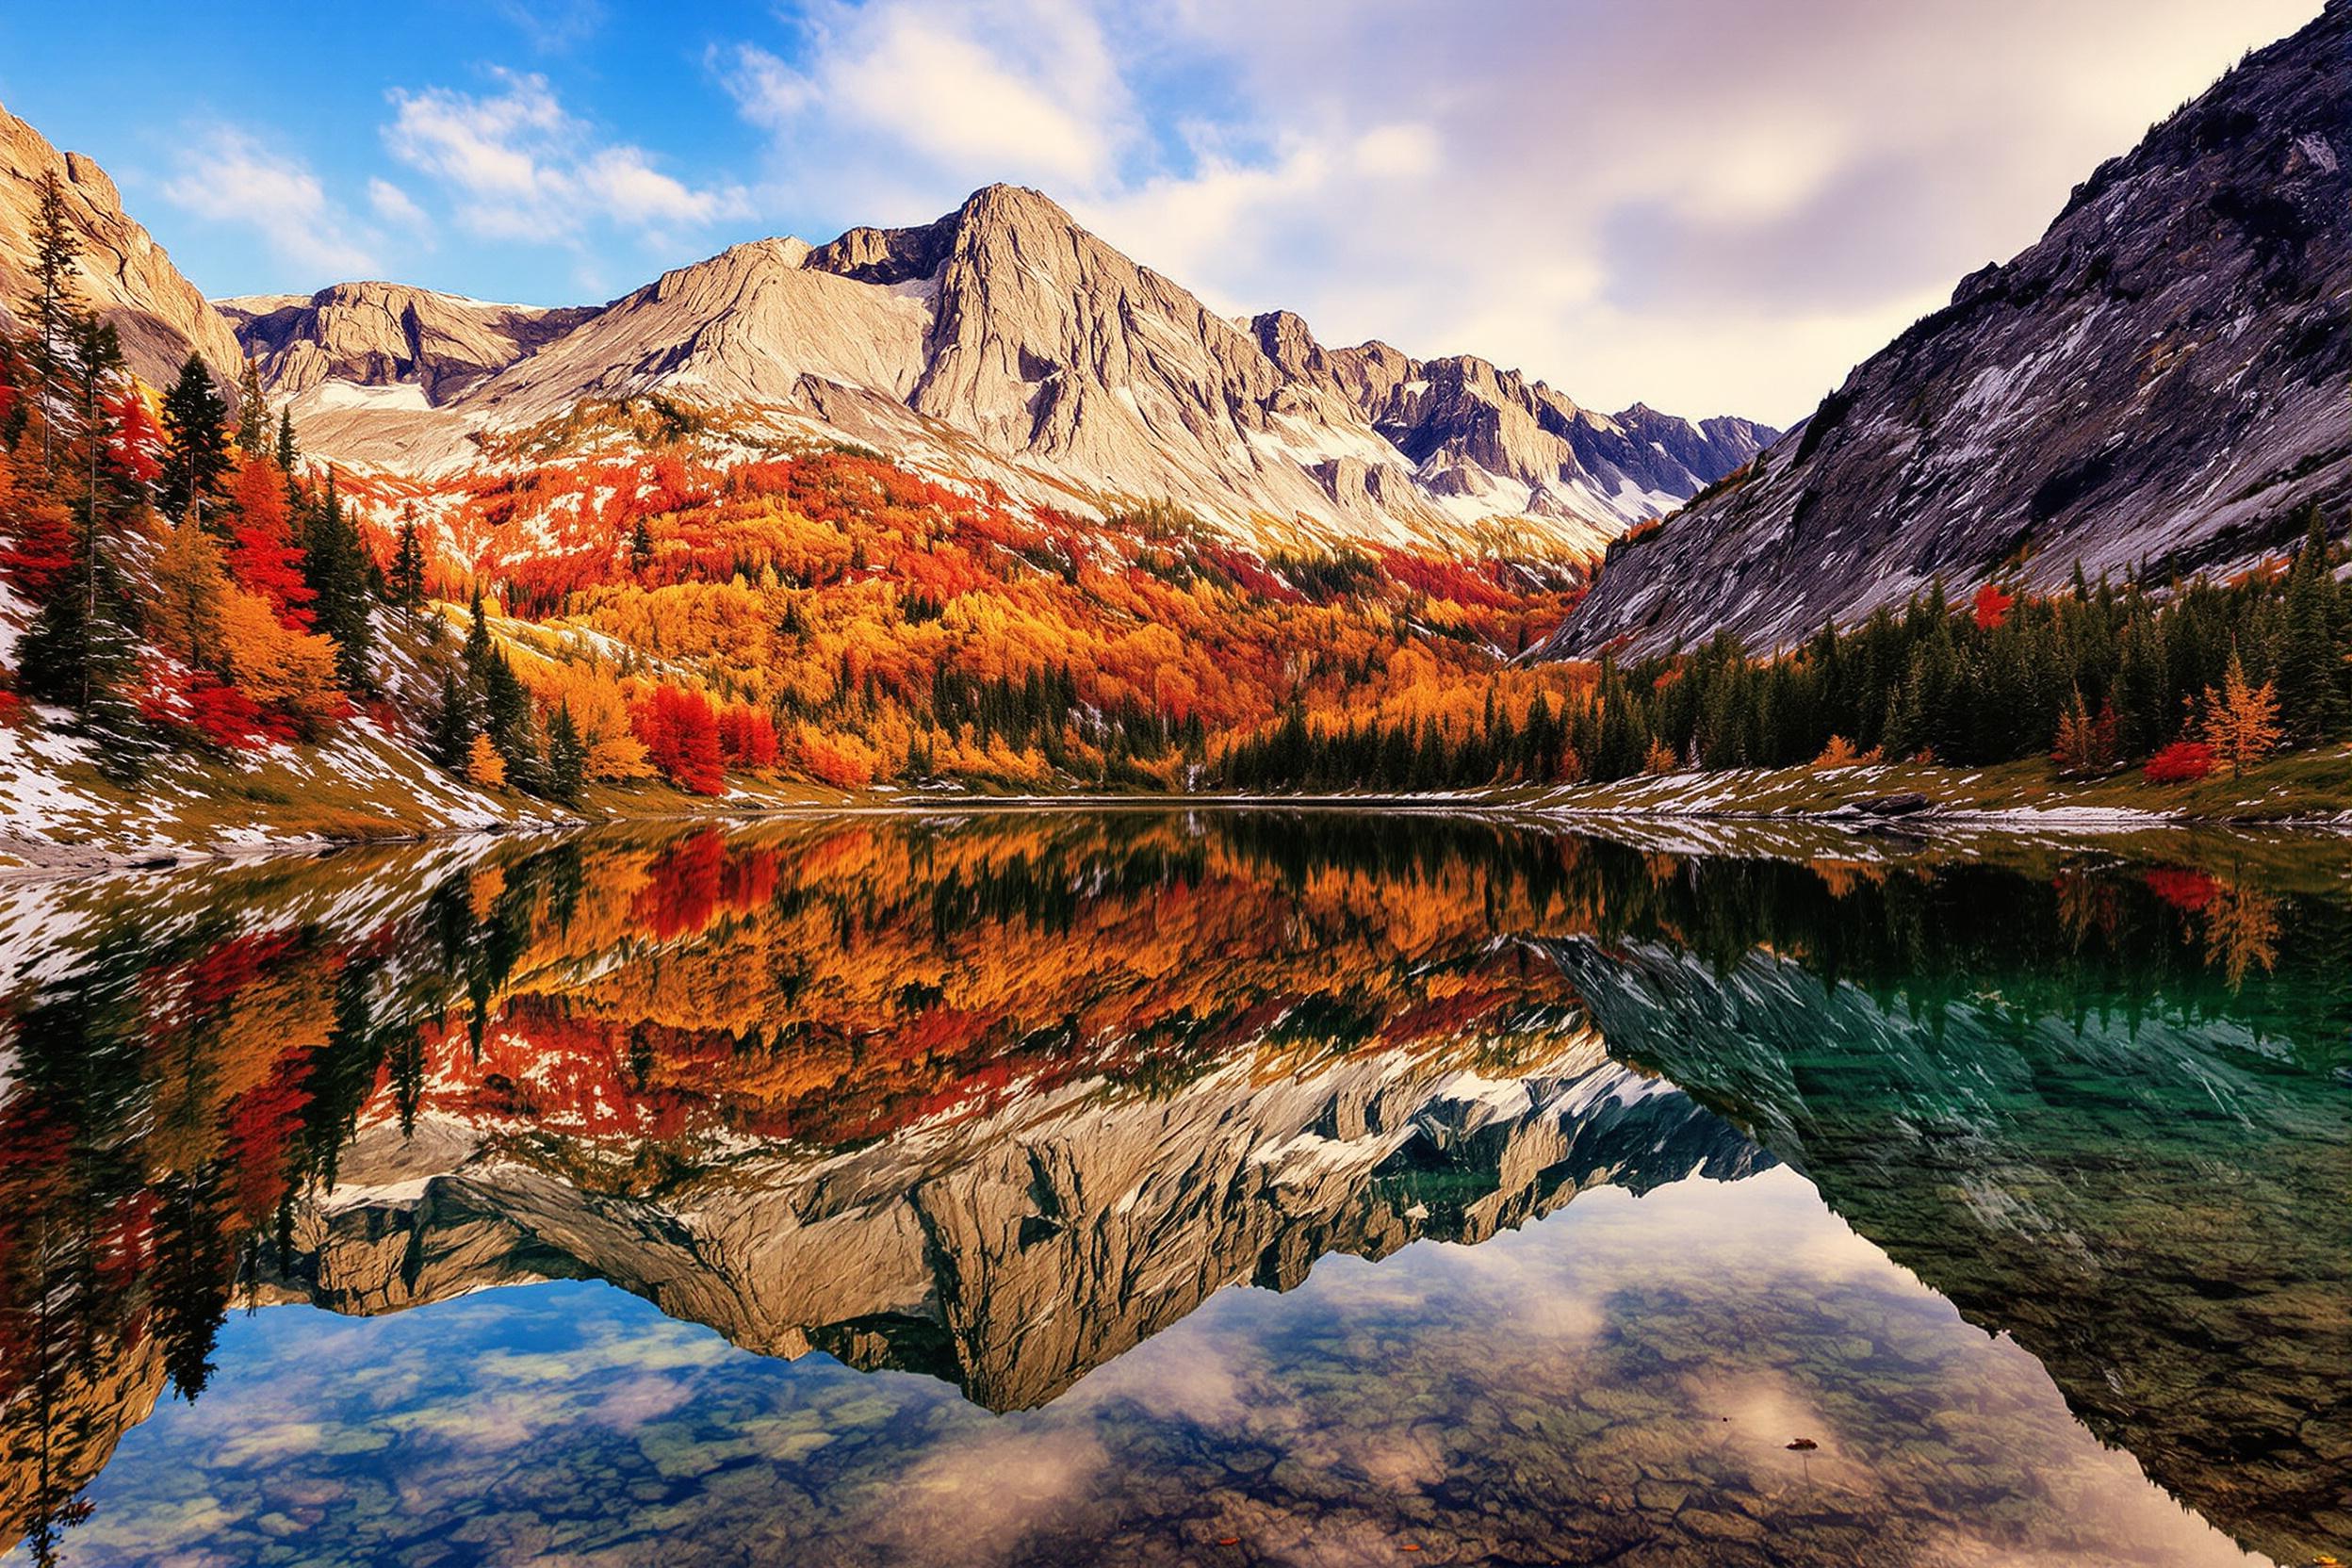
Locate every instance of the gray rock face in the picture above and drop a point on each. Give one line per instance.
(125, 276)
(1003, 341)
(1473, 429)
(1013, 1255)
(384, 334)
(2165, 377)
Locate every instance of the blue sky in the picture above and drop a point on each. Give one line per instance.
(1712, 205)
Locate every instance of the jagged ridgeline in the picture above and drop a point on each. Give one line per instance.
(904, 1090)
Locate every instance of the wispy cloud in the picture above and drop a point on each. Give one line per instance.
(395, 206)
(226, 174)
(919, 96)
(518, 168)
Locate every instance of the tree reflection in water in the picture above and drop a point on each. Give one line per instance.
(672, 1062)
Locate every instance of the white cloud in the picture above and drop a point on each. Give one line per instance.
(922, 101)
(1402, 151)
(624, 185)
(395, 206)
(228, 175)
(522, 168)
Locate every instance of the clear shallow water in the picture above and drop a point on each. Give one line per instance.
(1214, 1189)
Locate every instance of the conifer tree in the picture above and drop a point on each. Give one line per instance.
(453, 724)
(407, 580)
(252, 411)
(195, 448)
(2242, 719)
(2310, 665)
(567, 757)
(336, 566)
(53, 309)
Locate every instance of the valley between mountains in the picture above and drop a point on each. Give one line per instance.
(984, 506)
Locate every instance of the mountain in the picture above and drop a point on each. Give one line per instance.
(1003, 342)
(376, 335)
(1492, 439)
(2162, 378)
(1013, 1255)
(125, 274)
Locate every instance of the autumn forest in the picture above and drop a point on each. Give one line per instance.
(627, 597)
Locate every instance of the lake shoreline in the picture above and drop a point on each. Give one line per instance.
(1645, 805)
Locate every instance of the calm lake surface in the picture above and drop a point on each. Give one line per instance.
(1068, 1187)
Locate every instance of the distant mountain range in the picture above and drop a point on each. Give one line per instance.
(1001, 343)
(2164, 378)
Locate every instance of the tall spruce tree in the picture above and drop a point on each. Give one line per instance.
(53, 308)
(453, 723)
(253, 411)
(407, 581)
(2310, 664)
(195, 448)
(336, 565)
(567, 756)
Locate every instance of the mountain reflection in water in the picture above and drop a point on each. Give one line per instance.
(992, 1113)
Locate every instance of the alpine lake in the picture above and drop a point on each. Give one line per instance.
(1063, 1187)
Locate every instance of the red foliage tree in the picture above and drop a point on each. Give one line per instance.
(199, 703)
(680, 732)
(264, 560)
(747, 737)
(1993, 606)
(136, 446)
(2181, 762)
(36, 543)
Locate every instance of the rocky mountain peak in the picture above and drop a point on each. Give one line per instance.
(887, 256)
(125, 276)
(1003, 341)
(381, 335)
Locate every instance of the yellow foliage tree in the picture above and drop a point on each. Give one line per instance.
(484, 764)
(2242, 719)
(273, 664)
(1839, 753)
(191, 583)
(599, 715)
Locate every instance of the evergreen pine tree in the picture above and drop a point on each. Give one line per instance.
(336, 566)
(508, 721)
(252, 411)
(567, 756)
(2309, 676)
(408, 569)
(53, 309)
(195, 448)
(453, 724)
